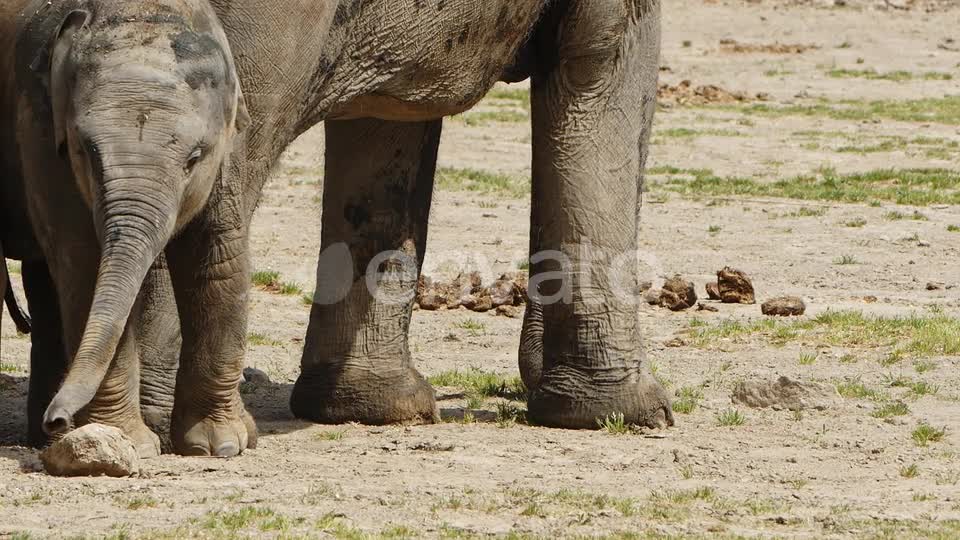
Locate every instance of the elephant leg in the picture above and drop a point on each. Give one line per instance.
(531, 345)
(592, 112)
(356, 363)
(158, 342)
(117, 401)
(48, 353)
(210, 270)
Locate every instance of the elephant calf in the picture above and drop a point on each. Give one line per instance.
(116, 122)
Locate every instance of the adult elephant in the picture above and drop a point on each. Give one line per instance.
(382, 75)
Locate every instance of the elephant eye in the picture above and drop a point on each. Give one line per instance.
(194, 158)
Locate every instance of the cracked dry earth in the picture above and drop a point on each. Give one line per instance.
(865, 467)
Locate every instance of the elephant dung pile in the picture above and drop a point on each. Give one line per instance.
(505, 294)
(732, 286)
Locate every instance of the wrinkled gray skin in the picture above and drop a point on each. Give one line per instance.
(382, 74)
(115, 124)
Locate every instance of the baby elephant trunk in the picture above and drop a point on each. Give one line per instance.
(135, 218)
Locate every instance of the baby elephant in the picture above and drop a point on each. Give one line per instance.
(117, 120)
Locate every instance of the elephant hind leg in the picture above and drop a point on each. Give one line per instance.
(356, 364)
(592, 114)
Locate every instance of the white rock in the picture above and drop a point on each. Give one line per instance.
(92, 450)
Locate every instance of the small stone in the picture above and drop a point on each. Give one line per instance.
(256, 376)
(784, 306)
(678, 294)
(735, 287)
(706, 307)
(785, 394)
(713, 291)
(92, 450)
(934, 286)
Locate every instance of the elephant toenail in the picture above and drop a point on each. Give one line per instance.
(227, 449)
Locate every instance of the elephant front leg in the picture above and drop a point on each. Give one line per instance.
(158, 344)
(117, 400)
(210, 268)
(592, 112)
(356, 363)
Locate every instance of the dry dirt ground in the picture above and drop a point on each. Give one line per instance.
(872, 93)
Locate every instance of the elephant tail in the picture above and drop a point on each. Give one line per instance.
(20, 316)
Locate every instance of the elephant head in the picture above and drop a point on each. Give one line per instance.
(145, 104)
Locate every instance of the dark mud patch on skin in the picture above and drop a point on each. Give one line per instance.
(190, 46)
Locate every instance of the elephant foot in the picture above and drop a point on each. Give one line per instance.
(225, 433)
(157, 418)
(567, 398)
(146, 441)
(328, 396)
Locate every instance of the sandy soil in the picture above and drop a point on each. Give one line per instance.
(834, 473)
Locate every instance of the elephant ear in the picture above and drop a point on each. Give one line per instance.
(59, 72)
(242, 119)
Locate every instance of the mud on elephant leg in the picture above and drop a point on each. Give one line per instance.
(592, 115)
(48, 354)
(209, 417)
(356, 364)
(158, 344)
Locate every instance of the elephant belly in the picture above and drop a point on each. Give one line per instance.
(443, 58)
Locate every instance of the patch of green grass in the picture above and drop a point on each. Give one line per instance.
(486, 118)
(918, 187)
(845, 260)
(688, 398)
(257, 339)
(336, 435)
(520, 96)
(898, 216)
(917, 335)
(854, 388)
(944, 110)
(689, 133)
(269, 280)
(475, 401)
(807, 358)
(473, 327)
(481, 383)
(731, 417)
(614, 424)
(895, 76)
(474, 180)
(856, 223)
(891, 409)
(138, 502)
(953, 228)
(509, 415)
(307, 299)
(266, 278)
(923, 388)
(9, 368)
(910, 471)
(714, 229)
(809, 212)
(923, 366)
(924, 434)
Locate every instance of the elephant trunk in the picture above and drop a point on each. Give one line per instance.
(135, 219)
